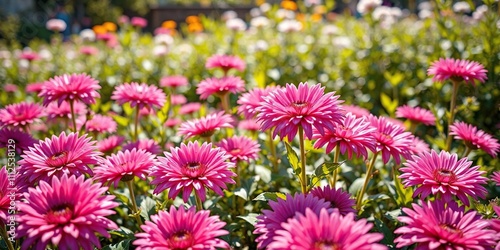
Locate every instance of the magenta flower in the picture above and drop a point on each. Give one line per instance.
(220, 86)
(6, 194)
(475, 138)
(416, 115)
(20, 114)
(101, 124)
(141, 95)
(149, 145)
(189, 108)
(174, 81)
(63, 154)
(445, 175)
(89, 50)
(250, 125)
(109, 144)
(63, 110)
(338, 198)
(271, 220)
(35, 87)
(75, 87)
(139, 22)
(326, 231)
(250, 101)
(307, 106)
(496, 177)
(172, 122)
(177, 99)
(124, 166)
(354, 135)
(225, 62)
(29, 55)
(21, 140)
(457, 69)
(443, 225)
(419, 146)
(191, 167)
(391, 139)
(182, 229)
(356, 110)
(66, 213)
(240, 148)
(205, 126)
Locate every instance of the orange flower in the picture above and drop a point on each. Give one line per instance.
(259, 2)
(99, 29)
(301, 17)
(195, 27)
(169, 24)
(109, 26)
(320, 9)
(192, 19)
(316, 17)
(289, 5)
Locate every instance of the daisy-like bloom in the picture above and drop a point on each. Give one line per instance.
(205, 126)
(250, 125)
(75, 87)
(89, 50)
(271, 220)
(182, 229)
(391, 139)
(354, 135)
(56, 25)
(416, 115)
(149, 145)
(220, 86)
(189, 108)
(109, 144)
(144, 112)
(172, 122)
(63, 110)
(20, 114)
(326, 231)
(240, 148)
(124, 166)
(225, 62)
(306, 106)
(457, 70)
(10, 88)
(356, 110)
(6, 194)
(496, 177)
(174, 81)
(139, 22)
(63, 154)
(177, 99)
(495, 225)
(475, 138)
(193, 166)
(419, 146)
(29, 55)
(250, 101)
(66, 213)
(22, 140)
(101, 124)
(338, 198)
(141, 95)
(35, 87)
(445, 175)
(443, 225)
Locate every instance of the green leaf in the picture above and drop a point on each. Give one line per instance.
(266, 196)
(293, 158)
(250, 218)
(404, 195)
(122, 232)
(122, 245)
(128, 109)
(393, 215)
(241, 192)
(123, 121)
(147, 206)
(389, 105)
(395, 79)
(264, 173)
(378, 197)
(388, 234)
(326, 169)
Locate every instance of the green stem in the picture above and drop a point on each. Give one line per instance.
(3, 232)
(136, 123)
(73, 119)
(238, 172)
(272, 148)
(452, 114)
(367, 179)
(135, 210)
(199, 204)
(467, 152)
(225, 102)
(303, 176)
(335, 160)
(413, 127)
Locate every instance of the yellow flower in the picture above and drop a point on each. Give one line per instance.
(288, 5)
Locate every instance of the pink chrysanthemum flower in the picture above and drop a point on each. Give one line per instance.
(306, 106)
(63, 110)
(338, 198)
(419, 146)
(240, 148)
(193, 166)
(66, 213)
(326, 231)
(189, 108)
(225, 62)
(250, 101)
(354, 135)
(416, 115)
(149, 145)
(250, 125)
(35, 87)
(220, 86)
(6, 194)
(89, 50)
(109, 144)
(20, 114)
(496, 177)
(21, 140)
(144, 112)
(475, 138)
(443, 225)
(10, 88)
(141, 95)
(124, 166)
(174, 81)
(75, 87)
(172, 122)
(177, 99)
(457, 69)
(495, 225)
(101, 124)
(29, 55)
(356, 110)
(205, 126)
(271, 220)
(139, 22)
(182, 229)
(63, 154)
(445, 175)
(391, 139)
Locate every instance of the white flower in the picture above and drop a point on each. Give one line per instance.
(461, 7)
(287, 26)
(236, 24)
(56, 25)
(259, 22)
(164, 39)
(365, 6)
(87, 35)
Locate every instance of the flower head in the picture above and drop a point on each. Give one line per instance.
(443, 174)
(457, 69)
(139, 22)
(250, 101)
(306, 106)
(225, 62)
(20, 114)
(205, 126)
(109, 144)
(240, 148)
(89, 50)
(220, 86)
(124, 166)
(177, 99)
(475, 138)
(66, 212)
(149, 145)
(416, 115)
(63, 110)
(75, 87)
(391, 139)
(4, 197)
(326, 231)
(250, 125)
(338, 198)
(56, 25)
(439, 224)
(29, 55)
(101, 124)
(355, 110)
(34, 87)
(21, 140)
(182, 229)
(496, 177)
(189, 108)
(419, 146)
(193, 166)
(174, 81)
(141, 95)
